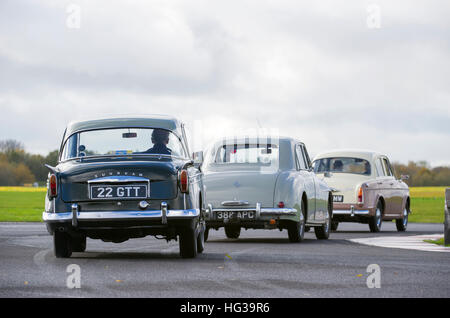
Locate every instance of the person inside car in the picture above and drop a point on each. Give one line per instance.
(160, 139)
(337, 166)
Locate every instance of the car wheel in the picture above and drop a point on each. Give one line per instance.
(188, 243)
(402, 223)
(296, 230)
(323, 232)
(334, 225)
(201, 240)
(376, 220)
(62, 244)
(232, 231)
(79, 244)
(206, 235)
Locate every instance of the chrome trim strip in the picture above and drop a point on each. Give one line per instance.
(118, 215)
(234, 203)
(351, 212)
(118, 179)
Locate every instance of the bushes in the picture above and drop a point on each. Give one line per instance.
(421, 175)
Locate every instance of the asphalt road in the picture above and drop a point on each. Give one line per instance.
(259, 264)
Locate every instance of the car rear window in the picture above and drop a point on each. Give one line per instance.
(342, 165)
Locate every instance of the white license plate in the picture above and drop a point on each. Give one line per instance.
(129, 191)
(246, 215)
(338, 198)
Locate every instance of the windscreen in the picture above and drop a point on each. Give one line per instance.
(264, 154)
(122, 141)
(342, 165)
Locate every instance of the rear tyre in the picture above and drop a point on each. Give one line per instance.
(402, 223)
(376, 220)
(201, 240)
(232, 231)
(206, 235)
(188, 243)
(296, 230)
(334, 225)
(62, 244)
(323, 232)
(79, 244)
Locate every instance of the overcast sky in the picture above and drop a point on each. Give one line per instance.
(334, 74)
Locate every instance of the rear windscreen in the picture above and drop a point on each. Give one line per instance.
(342, 165)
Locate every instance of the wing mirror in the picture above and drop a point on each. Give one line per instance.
(198, 158)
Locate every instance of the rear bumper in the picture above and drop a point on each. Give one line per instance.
(162, 216)
(260, 216)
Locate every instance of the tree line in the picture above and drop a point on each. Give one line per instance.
(17, 167)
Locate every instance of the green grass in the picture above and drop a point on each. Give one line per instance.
(437, 242)
(427, 204)
(20, 204)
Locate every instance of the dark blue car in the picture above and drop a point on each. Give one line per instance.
(122, 178)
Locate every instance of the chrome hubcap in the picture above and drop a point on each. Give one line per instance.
(378, 214)
(405, 217)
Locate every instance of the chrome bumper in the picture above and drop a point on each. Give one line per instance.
(351, 212)
(162, 215)
(211, 212)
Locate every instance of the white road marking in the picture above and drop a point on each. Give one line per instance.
(415, 242)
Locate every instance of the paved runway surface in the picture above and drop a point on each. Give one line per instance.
(259, 264)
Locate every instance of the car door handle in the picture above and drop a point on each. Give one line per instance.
(379, 182)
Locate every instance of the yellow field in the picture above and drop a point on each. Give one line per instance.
(427, 192)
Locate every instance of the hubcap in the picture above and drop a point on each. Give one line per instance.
(405, 217)
(378, 213)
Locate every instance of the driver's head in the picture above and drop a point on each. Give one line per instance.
(160, 136)
(337, 165)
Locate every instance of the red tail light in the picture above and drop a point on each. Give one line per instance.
(281, 204)
(360, 195)
(184, 181)
(53, 186)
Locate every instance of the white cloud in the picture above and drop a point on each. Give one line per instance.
(313, 70)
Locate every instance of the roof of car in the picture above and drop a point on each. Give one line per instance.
(254, 139)
(353, 153)
(150, 121)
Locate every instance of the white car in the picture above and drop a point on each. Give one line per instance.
(264, 183)
(364, 188)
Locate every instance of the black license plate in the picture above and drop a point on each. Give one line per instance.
(243, 215)
(129, 191)
(338, 198)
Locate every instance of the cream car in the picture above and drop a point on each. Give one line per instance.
(364, 188)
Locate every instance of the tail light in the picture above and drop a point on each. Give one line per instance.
(184, 181)
(360, 195)
(281, 204)
(53, 186)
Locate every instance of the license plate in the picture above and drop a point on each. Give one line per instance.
(338, 198)
(221, 215)
(129, 191)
